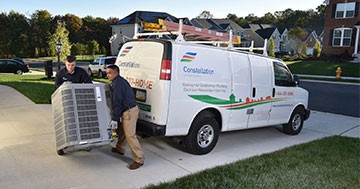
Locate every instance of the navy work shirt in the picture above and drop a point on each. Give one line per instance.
(78, 76)
(122, 97)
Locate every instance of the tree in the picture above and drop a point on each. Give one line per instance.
(74, 25)
(317, 49)
(285, 18)
(62, 33)
(97, 29)
(303, 50)
(271, 47)
(78, 49)
(297, 36)
(205, 15)
(316, 21)
(41, 30)
(252, 19)
(268, 18)
(14, 35)
(240, 21)
(93, 47)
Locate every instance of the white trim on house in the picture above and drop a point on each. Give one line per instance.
(356, 50)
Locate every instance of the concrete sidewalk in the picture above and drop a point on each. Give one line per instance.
(28, 157)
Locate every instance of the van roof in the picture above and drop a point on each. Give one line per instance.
(207, 46)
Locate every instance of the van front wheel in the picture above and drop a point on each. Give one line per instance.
(295, 124)
(203, 135)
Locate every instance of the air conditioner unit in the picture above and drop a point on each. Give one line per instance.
(82, 113)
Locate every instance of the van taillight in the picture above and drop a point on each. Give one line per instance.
(165, 72)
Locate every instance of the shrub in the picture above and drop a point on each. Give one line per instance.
(317, 49)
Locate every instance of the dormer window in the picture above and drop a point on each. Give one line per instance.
(345, 10)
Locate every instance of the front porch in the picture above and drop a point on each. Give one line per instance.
(356, 57)
(356, 53)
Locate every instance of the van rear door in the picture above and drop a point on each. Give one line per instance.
(241, 90)
(146, 66)
(261, 91)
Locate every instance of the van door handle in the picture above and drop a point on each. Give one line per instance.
(254, 92)
(273, 92)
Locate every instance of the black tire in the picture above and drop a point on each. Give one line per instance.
(295, 124)
(90, 73)
(100, 74)
(60, 152)
(19, 72)
(203, 134)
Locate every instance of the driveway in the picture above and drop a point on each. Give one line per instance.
(28, 157)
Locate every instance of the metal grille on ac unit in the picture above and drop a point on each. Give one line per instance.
(81, 116)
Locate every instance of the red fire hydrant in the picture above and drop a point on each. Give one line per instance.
(338, 72)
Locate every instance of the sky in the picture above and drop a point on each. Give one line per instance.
(183, 8)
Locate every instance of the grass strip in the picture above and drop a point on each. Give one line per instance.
(324, 68)
(332, 162)
(36, 87)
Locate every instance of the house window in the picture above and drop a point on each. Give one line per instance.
(345, 10)
(342, 37)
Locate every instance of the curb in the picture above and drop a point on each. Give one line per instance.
(328, 77)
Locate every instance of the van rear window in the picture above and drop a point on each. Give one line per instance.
(110, 61)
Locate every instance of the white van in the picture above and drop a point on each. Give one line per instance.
(197, 91)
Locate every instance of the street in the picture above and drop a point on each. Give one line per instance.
(335, 98)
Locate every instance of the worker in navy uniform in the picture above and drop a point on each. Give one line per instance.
(124, 107)
(71, 73)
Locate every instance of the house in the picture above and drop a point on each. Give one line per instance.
(251, 35)
(284, 37)
(310, 42)
(228, 25)
(267, 31)
(124, 29)
(207, 24)
(222, 25)
(341, 27)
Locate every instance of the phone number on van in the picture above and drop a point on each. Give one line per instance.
(141, 83)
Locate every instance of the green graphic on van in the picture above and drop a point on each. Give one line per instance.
(126, 51)
(232, 104)
(144, 107)
(188, 57)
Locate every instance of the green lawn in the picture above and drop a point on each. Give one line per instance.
(324, 68)
(36, 87)
(332, 162)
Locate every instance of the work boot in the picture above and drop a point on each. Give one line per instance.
(115, 150)
(135, 165)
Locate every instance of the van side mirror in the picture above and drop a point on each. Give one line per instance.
(296, 80)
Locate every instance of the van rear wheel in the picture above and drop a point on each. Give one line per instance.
(203, 135)
(295, 124)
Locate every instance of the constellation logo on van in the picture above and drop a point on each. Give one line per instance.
(126, 51)
(188, 57)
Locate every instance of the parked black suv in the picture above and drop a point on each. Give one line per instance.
(13, 66)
